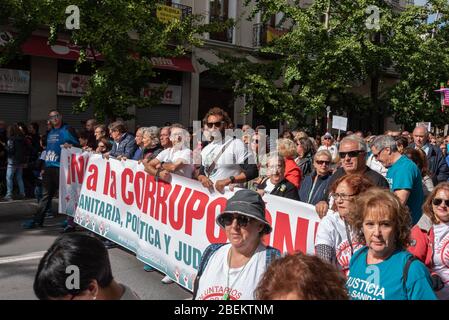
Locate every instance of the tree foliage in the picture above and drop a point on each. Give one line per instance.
(318, 64)
(127, 33)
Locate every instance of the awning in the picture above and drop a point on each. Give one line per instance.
(38, 46)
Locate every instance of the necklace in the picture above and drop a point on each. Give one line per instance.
(227, 296)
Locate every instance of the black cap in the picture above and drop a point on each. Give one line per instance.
(248, 203)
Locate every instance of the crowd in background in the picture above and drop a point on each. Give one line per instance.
(379, 197)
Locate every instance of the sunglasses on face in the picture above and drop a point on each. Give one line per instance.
(320, 162)
(327, 138)
(242, 221)
(351, 154)
(437, 202)
(216, 124)
(53, 117)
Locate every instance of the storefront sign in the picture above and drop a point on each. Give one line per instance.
(14, 81)
(72, 84)
(172, 94)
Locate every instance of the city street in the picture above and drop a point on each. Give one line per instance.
(21, 250)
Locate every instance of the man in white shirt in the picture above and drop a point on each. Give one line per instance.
(177, 159)
(224, 160)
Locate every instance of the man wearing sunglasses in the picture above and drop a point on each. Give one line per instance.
(60, 134)
(224, 160)
(327, 143)
(403, 175)
(352, 152)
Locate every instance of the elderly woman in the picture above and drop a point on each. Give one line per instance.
(89, 255)
(382, 269)
(335, 242)
(431, 236)
(314, 186)
(305, 151)
(151, 145)
(287, 149)
(231, 271)
(294, 277)
(275, 183)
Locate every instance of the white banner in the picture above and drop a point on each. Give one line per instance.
(14, 81)
(168, 225)
(72, 84)
(73, 167)
(172, 94)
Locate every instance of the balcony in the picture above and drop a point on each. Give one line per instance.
(224, 35)
(264, 34)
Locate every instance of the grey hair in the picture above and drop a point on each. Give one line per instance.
(323, 153)
(151, 131)
(276, 156)
(426, 132)
(141, 129)
(355, 138)
(385, 141)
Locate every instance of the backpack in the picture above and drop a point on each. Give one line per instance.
(271, 254)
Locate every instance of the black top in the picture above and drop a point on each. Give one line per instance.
(283, 189)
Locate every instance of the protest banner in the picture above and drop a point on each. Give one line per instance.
(71, 175)
(168, 225)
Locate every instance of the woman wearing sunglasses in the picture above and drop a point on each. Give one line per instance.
(231, 271)
(430, 239)
(335, 242)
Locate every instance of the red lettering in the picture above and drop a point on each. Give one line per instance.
(113, 190)
(127, 176)
(163, 190)
(177, 223)
(69, 181)
(210, 221)
(139, 184)
(92, 179)
(283, 233)
(106, 179)
(77, 168)
(197, 213)
(267, 238)
(150, 190)
(302, 228)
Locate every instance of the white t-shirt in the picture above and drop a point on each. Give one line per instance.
(269, 186)
(441, 257)
(171, 155)
(242, 281)
(229, 162)
(332, 232)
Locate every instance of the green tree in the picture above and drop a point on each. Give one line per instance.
(127, 33)
(333, 46)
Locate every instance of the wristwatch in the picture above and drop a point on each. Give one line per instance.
(232, 178)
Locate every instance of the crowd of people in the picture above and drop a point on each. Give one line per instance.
(383, 202)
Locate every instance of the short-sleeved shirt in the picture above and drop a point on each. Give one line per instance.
(441, 257)
(405, 175)
(229, 162)
(384, 280)
(332, 232)
(171, 155)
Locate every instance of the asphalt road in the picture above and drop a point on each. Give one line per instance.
(21, 250)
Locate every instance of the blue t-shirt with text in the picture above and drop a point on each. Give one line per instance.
(384, 280)
(55, 138)
(404, 174)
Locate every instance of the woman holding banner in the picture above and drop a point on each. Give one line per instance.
(382, 269)
(231, 271)
(334, 241)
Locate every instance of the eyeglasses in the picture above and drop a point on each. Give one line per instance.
(351, 154)
(320, 162)
(342, 196)
(327, 138)
(437, 202)
(242, 221)
(56, 116)
(377, 154)
(217, 124)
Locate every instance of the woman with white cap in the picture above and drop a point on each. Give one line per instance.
(231, 271)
